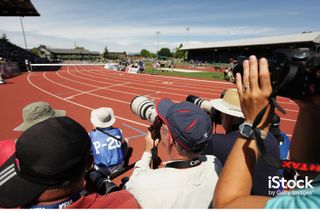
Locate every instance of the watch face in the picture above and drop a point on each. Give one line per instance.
(246, 130)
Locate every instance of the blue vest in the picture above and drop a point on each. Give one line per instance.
(105, 149)
(284, 146)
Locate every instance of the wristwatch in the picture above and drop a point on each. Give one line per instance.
(246, 130)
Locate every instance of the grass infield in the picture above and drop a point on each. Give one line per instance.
(201, 75)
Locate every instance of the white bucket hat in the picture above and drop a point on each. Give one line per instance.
(102, 117)
(229, 104)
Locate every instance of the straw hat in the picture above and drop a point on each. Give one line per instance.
(229, 104)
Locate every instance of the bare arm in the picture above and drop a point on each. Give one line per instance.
(235, 182)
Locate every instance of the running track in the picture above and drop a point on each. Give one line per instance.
(79, 89)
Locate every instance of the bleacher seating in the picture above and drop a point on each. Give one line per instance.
(13, 53)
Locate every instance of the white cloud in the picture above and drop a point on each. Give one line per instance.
(121, 37)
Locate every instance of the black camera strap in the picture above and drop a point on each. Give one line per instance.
(271, 160)
(184, 164)
(156, 160)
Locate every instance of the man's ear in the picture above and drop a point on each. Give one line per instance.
(170, 140)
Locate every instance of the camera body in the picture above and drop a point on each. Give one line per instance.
(295, 73)
(101, 183)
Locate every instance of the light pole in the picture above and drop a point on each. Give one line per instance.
(188, 29)
(24, 36)
(157, 33)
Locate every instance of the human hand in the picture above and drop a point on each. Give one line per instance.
(254, 89)
(150, 143)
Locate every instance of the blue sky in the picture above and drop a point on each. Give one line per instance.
(131, 25)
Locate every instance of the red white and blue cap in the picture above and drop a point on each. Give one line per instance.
(189, 125)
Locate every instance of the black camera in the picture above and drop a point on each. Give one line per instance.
(215, 115)
(102, 183)
(295, 73)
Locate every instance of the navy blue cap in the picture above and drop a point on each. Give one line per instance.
(189, 125)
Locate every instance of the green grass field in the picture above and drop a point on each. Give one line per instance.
(201, 75)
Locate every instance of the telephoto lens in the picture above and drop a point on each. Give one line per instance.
(202, 103)
(206, 106)
(102, 184)
(144, 108)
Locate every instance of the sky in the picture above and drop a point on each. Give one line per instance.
(132, 25)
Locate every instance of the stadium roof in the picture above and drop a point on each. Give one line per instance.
(17, 8)
(296, 38)
(72, 51)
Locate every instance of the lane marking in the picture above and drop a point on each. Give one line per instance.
(133, 128)
(77, 104)
(210, 99)
(103, 97)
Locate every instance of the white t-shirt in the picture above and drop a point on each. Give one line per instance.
(174, 188)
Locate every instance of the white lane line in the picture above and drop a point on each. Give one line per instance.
(103, 97)
(90, 75)
(138, 88)
(142, 85)
(152, 79)
(77, 104)
(286, 119)
(189, 90)
(134, 94)
(97, 88)
(103, 88)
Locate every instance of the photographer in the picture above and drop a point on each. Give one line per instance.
(108, 145)
(235, 183)
(221, 144)
(48, 168)
(188, 179)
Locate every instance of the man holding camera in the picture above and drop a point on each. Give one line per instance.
(48, 168)
(235, 183)
(188, 179)
(221, 145)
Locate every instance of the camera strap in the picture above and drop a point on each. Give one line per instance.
(100, 130)
(156, 160)
(271, 160)
(184, 164)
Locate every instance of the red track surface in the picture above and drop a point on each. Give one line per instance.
(80, 89)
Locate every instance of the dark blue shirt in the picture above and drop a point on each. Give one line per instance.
(221, 146)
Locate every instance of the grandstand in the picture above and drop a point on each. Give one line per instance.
(17, 8)
(13, 57)
(221, 52)
(68, 54)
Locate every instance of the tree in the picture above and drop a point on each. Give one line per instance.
(164, 53)
(35, 51)
(145, 53)
(179, 53)
(79, 48)
(105, 53)
(4, 38)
